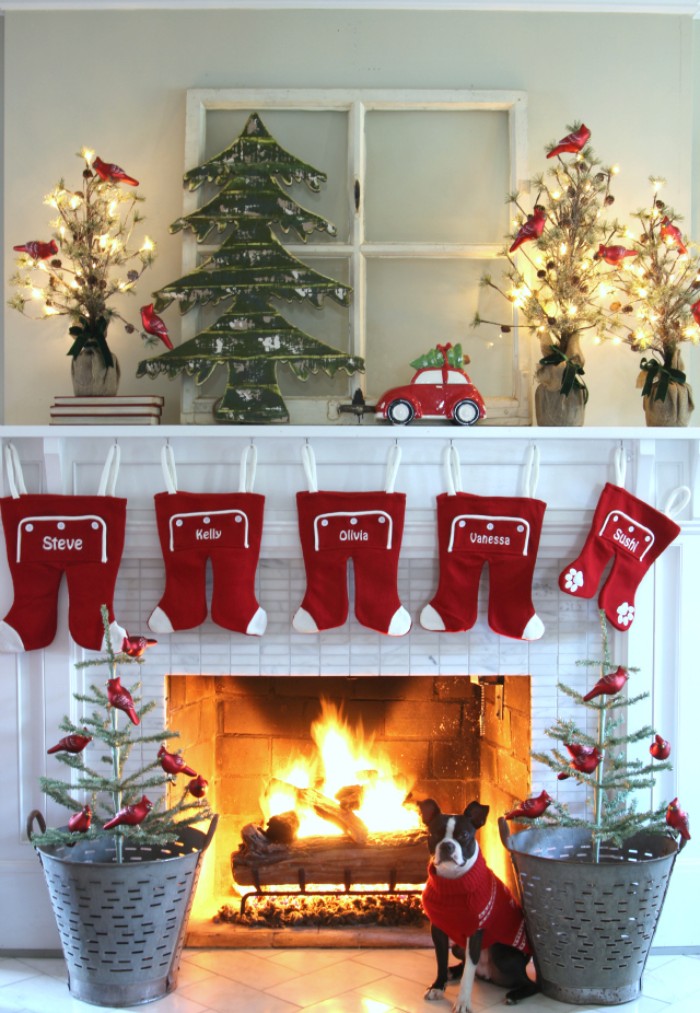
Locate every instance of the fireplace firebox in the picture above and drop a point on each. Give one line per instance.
(270, 741)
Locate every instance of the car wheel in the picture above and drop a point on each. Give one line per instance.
(400, 412)
(465, 413)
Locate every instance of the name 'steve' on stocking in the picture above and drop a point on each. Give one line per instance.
(225, 528)
(503, 531)
(631, 533)
(47, 536)
(365, 527)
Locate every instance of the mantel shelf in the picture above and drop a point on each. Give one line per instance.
(369, 431)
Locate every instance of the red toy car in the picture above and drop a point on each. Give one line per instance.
(441, 392)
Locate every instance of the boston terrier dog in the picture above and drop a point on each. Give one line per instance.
(468, 904)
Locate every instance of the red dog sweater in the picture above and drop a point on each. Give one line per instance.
(477, 900)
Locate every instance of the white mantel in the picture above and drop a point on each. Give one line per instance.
(574, 465)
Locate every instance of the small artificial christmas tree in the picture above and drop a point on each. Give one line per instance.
(556, 290)
(600, 764)
(657, 302)
(250, 269)
(118, 805)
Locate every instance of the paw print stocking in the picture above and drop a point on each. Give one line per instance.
(48, 536)
(365, 527)
(503, 531)
(225, 528)
(632, 534)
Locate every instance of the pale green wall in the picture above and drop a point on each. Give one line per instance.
(117, 82)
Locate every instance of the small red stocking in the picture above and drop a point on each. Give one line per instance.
(364, 527)
(632, 534)
(47, 536)
(503, 531)
(225, 528)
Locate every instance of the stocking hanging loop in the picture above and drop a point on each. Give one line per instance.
(167, 460)
(620, 466)
(108, 479)
(392, 466)
(532, 471)
(308, 459)
(15, 478)
(677, 500)
(249, 464)
(453, 470)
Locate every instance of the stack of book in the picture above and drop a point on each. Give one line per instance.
(127, 410)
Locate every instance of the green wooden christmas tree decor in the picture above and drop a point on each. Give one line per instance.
(96, 750)
(249, 271)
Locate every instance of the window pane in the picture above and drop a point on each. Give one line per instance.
(317, 138)
(414, 305)
(437, 176)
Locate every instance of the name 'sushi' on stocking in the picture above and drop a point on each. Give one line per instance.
(631, 533)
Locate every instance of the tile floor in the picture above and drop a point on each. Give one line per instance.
(324, 981)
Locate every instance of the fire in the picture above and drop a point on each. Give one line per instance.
(344, 759)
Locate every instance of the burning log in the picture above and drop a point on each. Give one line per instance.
(282, 829)
(329, 810)
(386, 858)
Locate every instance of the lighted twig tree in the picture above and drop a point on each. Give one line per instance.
(250, 270)
(554, 280)
(656, 306)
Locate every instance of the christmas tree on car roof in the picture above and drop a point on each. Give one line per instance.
(249, 270)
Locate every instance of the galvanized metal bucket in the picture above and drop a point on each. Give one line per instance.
(591, 925)
(122, 926)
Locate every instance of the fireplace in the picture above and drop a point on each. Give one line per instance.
(198, 667)
(452, 738)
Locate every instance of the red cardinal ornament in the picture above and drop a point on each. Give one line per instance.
(111, 173)
(678, 820)
(121, 699)
(614, 254)
(152, 324)
(585, 759)
(660, 749)
(71, 744)
(136, 646)
(695, 310)
(531, 807)
(531, 229)
(198, 786)
(131, 815)
(38, 250)
(79, 823)
(670, 231)
(173, 763)
(609, 684)
(572, 143)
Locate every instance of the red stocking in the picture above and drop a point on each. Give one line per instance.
(632, 534)
(473, 530)
(223, 527)
(47, 536)
(364, 527)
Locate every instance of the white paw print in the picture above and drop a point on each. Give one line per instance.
(573, 580)
(625, 613)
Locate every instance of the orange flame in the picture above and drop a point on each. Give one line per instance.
(344, 758)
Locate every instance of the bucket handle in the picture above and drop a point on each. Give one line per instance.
(210, 832)
(504, 831)
(35, 816)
